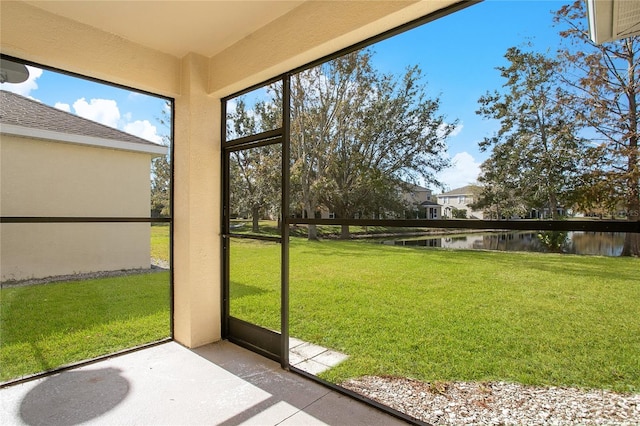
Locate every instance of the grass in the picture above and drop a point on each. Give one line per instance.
(43, 327)
(160, 242)
(437, 315)
(47, 326)
(433, 315)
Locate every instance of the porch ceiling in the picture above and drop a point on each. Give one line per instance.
(237, 43)
(174, 27)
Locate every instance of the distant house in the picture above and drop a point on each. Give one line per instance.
(55, 164)
(420, 201)
(459, 199)
(416, 195)
(423, 202)
(432, 210)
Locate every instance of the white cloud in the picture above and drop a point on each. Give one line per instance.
(103, 111)
(143, 129)
(63, 106)
(132, 96)
(25, 87)
(455, 132)
(465, 171)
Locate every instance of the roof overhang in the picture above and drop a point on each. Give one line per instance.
(150, 45)
(28, 132)
(611, 20)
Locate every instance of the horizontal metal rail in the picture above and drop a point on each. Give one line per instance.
(72, 219)
(530, 225)
(264, 136)
(254, 237)
(251, 145)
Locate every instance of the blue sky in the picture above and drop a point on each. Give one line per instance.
(458, 55)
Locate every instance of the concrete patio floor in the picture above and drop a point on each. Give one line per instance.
(168, 384)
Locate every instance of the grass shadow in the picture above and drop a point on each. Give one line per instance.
(239, 290)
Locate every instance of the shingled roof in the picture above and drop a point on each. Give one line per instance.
(20, 111)
(465, 190)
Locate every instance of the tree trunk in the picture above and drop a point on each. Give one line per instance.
(312, 234)
(312, 230)
(632, 240)
(553, 206)
(344, 232)
(631, 244)
(255, 214)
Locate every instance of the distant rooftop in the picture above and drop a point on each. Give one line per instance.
(465, 190)
(20, 111)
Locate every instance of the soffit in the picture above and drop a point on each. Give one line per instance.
(613, 19)
(627, 18)
(175, 27)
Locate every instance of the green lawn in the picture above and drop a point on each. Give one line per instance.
(541, 319)
(46, 326)
(43, 327)
(160, 242)
(433, 315)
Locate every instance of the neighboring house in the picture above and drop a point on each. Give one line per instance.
(544, 213)
(460, 199)
(417, 195)
(432, 210)
(55, 164)
(419, 198)
(422, 199)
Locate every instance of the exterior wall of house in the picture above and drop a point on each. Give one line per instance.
(460, 202)
(433, 212)
(418, 196)
(454, 202)
(197, 84)
(48, 179)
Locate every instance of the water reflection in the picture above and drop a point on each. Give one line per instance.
(577, 242)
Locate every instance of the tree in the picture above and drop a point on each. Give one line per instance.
(254, 172)
(358, 136)
(161, 174)
(500, 195)
(160, 187)
(459, 213)
(604, 85)
(536, 150)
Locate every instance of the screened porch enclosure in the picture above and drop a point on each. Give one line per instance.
(341, 257)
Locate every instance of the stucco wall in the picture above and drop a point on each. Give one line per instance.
(52, 179)
(42, 250)
(31, 33)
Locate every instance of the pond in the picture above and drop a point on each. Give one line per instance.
(576, 242)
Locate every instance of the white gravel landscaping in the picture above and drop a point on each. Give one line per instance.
(499, 403)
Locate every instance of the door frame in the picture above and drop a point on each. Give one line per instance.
(269, 343)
